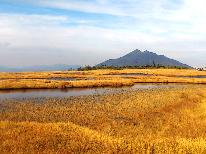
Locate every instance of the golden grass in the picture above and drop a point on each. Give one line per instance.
(41, 84)
(163, 72)
(165, 79)
(97, 78)
(97, 73)
(147, 121)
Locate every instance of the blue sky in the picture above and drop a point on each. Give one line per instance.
(38, 32)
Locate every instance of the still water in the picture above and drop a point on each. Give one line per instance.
(34, 93)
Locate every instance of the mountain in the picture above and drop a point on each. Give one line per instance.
(57, 67)
(138, 58)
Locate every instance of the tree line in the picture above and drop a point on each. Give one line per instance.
(87, 68)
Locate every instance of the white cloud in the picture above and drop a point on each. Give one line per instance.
(177, 32)
(181, 16)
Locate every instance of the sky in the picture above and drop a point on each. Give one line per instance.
(87, 32)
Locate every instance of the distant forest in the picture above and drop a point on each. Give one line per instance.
(87, 68)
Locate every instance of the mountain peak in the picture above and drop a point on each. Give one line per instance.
(149, 52)
(146, 58)
(135, 51)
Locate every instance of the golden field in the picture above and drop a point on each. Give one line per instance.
(99, 78)
(165, 120)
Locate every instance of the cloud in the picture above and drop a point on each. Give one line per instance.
(172, 16)
(31, 20)
(5, 44)
(132, 8)
(175, 28)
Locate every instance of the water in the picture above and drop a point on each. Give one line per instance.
(142, 74)
(35, 93)
(62, 79)
(132, 74)
(197, 76)
(53, 78)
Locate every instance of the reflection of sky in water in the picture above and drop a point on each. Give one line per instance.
(198, 76)
(6, 94)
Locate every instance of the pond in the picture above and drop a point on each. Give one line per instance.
(131, 74)
(197, 76)
(33, 93)
(62, 79)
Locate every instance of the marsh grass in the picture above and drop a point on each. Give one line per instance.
(171, 120)
(98, 78)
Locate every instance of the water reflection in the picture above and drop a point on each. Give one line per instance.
(197, 76)
(33, 93)
(131, 74)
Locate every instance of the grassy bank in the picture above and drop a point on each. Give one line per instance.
(52, 84)
(99, 78)
(151, 121)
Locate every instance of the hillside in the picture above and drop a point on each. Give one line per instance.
(138, 58)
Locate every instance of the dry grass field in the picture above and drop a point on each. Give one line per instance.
(99, 78)
(164, 120)
(171, 120)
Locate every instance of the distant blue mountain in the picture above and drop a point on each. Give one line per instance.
(57, 67)
(146, 58)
